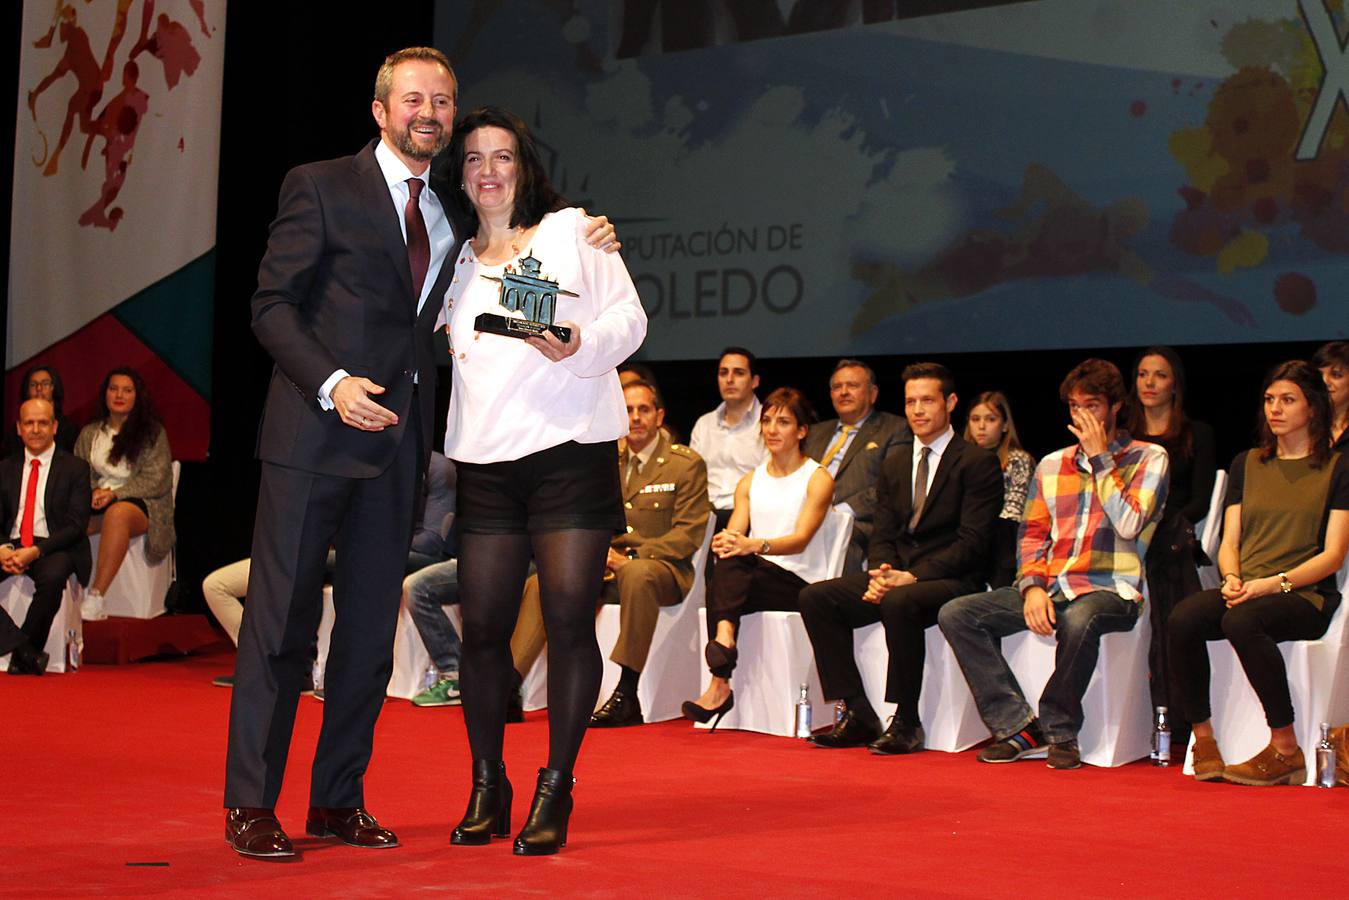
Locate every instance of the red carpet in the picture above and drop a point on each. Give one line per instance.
(117, 765)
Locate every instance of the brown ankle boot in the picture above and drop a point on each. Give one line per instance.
(1208, 762)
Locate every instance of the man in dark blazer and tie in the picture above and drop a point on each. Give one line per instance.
(936, 504)
(357, 263)
(48, 543)
(853, 446)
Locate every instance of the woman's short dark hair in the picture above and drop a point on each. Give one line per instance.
(795, 402)
(1178, 424)
(1313, 387)
(534, 194)
(58, 389)
(142, 425)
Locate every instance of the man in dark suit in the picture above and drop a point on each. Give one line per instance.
(348, 293)
(936, 505)
(44, 502)
(853, 447)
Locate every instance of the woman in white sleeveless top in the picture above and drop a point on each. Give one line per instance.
(771, 548)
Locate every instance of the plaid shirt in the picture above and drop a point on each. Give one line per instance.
(1088, 520)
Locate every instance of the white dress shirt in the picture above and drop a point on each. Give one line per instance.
(937, 447)
(438, 229)
(39, 507)
(730, 452)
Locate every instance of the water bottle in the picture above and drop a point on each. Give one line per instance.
(1325, 758)
(72, 650)
(839, 709)
(803, 713)
(1161, 739)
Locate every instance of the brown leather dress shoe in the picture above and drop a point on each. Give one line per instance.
(252, 831)
(1208, 760)
(352, 825)
(1267, 768)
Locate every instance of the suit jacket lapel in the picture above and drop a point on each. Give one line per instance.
(904, 506)
(384, 218)
(859, 442)
(945, 464)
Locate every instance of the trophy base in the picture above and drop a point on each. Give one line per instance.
(506, 326)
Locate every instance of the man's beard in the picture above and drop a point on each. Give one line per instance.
(409, 148)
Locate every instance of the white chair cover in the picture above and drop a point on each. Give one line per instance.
(675, 664)
(16, 595)
(1209, 531)
(1316, 672)
(410, 659)
(139, 589)
(776, 658)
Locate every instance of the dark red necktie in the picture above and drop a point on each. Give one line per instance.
(419, 245)
(29, 507)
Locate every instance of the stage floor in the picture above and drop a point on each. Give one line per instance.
(114, 780)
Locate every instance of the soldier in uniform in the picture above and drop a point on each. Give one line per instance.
(665, 499)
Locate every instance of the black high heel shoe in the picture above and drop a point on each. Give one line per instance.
(489, 806)
(696, 713)
(545, 830)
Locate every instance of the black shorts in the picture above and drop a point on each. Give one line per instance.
(134, 501)
(568, 486)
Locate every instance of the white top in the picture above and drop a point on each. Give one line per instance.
(730, 453)
(510, 400)
(107, 475)
(774, 506)
(44, 468)
(439, 232)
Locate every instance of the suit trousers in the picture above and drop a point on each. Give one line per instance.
(640, 589)
(49, 574)
(832, 609)
(369, 522)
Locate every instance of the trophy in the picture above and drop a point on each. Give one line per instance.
(527, 292)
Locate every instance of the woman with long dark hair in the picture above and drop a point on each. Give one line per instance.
(1156, 413)
(44, 382)
(1285, 533)
(533, 430)
(1333, 361)
(131, 473)
(771, 548)
(990, 426)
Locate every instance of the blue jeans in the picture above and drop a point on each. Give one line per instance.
(428, 589)
(975, 625)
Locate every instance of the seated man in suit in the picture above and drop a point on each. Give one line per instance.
(665, 495)
(44, 502)
(852, 448)
(1090, 514)
(936, 504)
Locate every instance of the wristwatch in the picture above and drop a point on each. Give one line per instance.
(1284, 584)
(763, 548)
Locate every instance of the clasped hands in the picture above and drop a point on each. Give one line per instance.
(1235, 591)
(884, 579)
(101, 497)
(732, 543)
(16, 562)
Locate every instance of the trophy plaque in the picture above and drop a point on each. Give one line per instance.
(531, 294)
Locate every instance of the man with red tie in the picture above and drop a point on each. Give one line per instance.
(44, 502)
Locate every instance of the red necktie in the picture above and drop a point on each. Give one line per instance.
(419, 245)
(29, 507)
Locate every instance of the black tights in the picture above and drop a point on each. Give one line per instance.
(492, 571)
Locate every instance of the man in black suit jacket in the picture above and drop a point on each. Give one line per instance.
(56, 543)
(357, 263)
(936, 505)
(853, 447)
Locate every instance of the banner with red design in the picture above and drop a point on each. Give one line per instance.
(112, 254)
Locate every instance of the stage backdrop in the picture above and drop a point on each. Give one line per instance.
(115, 173)
(824, 177)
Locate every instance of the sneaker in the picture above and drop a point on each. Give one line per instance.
(91, 607)
(1267, 768)
(445, 692)
(1064, 755)
(223, 681)
(1028, 743)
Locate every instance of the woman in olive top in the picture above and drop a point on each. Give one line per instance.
(1286, 529)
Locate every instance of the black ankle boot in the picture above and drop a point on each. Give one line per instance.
(545, 830)
(489, 806)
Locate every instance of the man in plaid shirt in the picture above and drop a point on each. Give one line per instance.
(1091, 511)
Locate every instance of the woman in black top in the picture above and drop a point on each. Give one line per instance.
(1157, 414)
(1333, 361)
(44, 382)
